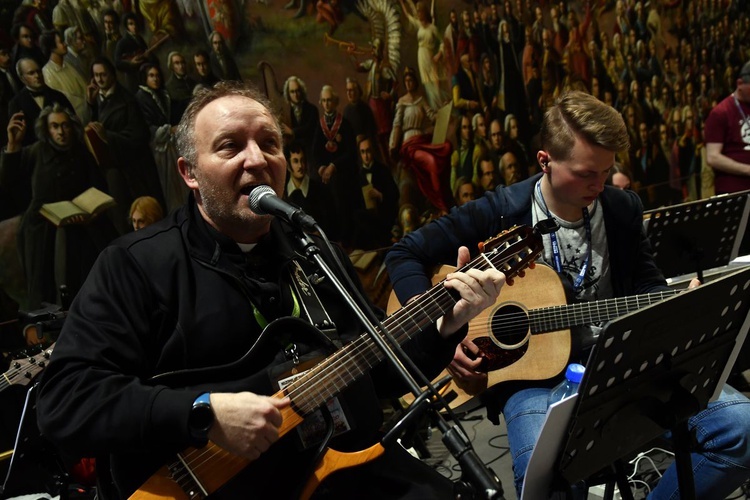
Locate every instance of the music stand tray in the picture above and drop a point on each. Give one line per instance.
(653, 369)
(699, 235)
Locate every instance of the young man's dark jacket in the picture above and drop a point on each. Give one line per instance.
(632, 265)
(178, 295)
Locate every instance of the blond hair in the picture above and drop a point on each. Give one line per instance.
(579, 113)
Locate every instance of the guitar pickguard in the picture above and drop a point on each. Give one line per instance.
(494, 357)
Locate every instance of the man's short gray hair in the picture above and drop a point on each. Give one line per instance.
(185, 134)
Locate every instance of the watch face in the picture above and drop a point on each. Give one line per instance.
(201, 417)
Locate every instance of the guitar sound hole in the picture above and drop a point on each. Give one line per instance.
(510, 326)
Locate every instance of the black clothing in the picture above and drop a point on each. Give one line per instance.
(223, 66)
(49, 175)
(180, 91)
(207, 81)
(374, 224)
(318, 204)
(304, 127)
(128, 47)
(361, 118)
(179, 295)
(157, 107)
(24, 101)
(340, 150)
(132, 172)
(160, 116)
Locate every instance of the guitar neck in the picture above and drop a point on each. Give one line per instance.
(22, 371)
(346, 365)
(550, 319)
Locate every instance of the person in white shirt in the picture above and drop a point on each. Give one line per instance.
(61, 76)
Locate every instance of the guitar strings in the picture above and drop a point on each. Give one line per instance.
(559, 317)
(32, 365)
(303, 390)
(305, 395)
(363, 348)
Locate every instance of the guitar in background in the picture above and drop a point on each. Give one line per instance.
(23, 371)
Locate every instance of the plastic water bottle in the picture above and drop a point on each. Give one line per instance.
(569, 386)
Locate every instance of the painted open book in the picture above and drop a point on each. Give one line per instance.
(80, 209)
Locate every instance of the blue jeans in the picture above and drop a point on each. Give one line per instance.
(721, 462)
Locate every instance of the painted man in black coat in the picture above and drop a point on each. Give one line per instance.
(304, 115)
(311, 195)
(380, 196)
(131, 52)
(57, 167)
(334, 160)
(33, 97)
(179, 85)
(205, 77)
(358, 112)
(118, 126)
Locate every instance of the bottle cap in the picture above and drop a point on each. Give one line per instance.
(574, 373)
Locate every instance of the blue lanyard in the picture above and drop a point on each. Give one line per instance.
(557, 259)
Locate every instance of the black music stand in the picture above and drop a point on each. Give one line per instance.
(650, 371)
(692, 237)
(35, 467)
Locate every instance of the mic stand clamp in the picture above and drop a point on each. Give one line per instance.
(456, 441)
(477, 480)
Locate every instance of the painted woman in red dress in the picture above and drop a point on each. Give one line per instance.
(430, 163)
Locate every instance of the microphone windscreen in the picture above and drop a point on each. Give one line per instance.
(253, 200)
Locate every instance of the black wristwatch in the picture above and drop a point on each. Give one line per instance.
(201, 418)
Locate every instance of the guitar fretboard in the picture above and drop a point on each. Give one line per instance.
(550, 319)
(339, 370)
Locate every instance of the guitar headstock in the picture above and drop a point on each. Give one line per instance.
(513, 250)
(22, 371)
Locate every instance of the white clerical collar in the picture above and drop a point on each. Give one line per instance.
(108, 92)
(304, 186)
(246, 247)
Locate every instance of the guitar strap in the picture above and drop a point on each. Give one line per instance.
(311, 304)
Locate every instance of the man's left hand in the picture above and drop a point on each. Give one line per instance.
(478, 290)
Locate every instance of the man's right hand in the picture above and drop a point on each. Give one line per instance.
(92, 90)
(16, 132)
(463, 368)
(245, 423)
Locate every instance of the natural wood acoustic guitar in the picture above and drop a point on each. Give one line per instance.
(526, 334)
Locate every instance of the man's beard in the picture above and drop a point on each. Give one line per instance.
(223, 211)
(214, 206)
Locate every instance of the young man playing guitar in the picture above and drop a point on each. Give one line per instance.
(163, 347)
(601, 251)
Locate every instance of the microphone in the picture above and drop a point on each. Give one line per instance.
(263, 201)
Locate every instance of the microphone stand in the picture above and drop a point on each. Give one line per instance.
(481, 482)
